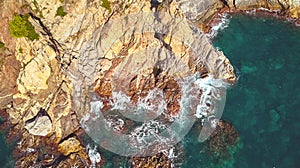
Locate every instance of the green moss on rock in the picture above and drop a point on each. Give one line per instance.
(2, 44)
(60, 12)
(106, 4)
(21, 27)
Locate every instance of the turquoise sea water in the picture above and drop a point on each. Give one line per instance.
(6, 160)
(264, 105)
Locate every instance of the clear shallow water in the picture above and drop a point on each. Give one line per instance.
(264, 105)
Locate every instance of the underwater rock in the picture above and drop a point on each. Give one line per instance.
(223, 137)
(159, 160)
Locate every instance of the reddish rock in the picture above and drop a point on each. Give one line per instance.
(9, 71)
(223, 137)
(158, 161)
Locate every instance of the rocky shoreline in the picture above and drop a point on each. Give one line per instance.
(220, 19)
(36, 89)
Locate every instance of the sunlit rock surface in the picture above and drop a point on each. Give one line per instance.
(201, 12)
(40, 127)
(71, 145)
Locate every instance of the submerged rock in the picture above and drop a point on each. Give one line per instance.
(224, 137)
(159, 160)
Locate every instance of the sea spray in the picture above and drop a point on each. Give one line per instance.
(210, 105)
(147, 108)
(173, 51)
(94, 155)
(219, 23)
(203, 98)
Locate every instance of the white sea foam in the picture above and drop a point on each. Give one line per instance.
(94, 156)
(146, 129)
(115, 123)
(223, 22)
(120, 101)
(101, 129)
(147, 108)
(200, 99)
(211, 93)
(29, 150)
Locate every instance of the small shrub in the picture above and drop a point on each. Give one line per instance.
(106, 5)
(2, 44)
(60, 12)
(21, 27)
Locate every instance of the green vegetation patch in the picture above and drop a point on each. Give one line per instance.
(2, 45)
(106, 5)
(21, 27)
(60, 12)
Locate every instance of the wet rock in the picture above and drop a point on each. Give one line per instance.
(142, 61)
(74, 160)
(158, 161)
(223, 137)
(27, 161)
(173, 157)
(202, 12)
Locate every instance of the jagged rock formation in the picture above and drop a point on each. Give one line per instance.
(35, 76)
(201, 12)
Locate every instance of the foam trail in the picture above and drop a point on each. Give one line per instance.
(223, 22)
(147, 108)
(211, 105)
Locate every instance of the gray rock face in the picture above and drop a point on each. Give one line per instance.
(41, 126)
(193, 9)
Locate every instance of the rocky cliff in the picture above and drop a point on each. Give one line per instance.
(88, 45)
(201, 12)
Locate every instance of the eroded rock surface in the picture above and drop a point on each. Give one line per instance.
(224, 137)
(201, 12)
(135, 57)
(41, 126)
